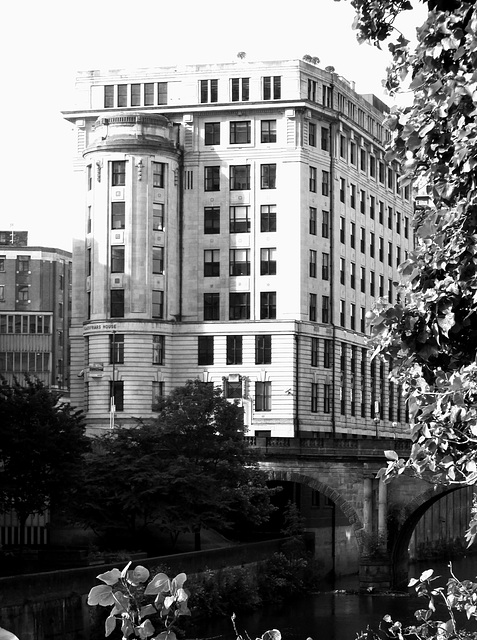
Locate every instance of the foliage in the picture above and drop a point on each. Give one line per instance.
(42, 441)
(430, 336)
(457, 597)
(127, 592)
(190, 468)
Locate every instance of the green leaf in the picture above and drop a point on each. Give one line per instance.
(166, 635)
(147, 610)
(101, 594)
(178, 582)
(110, 577)
(391, 455)
(138, 576)
(110, 625)
(425, 575)
(159, 584)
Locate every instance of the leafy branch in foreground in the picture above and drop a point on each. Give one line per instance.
(127, 590)
(456, 596)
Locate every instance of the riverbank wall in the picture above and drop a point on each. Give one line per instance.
(52, 605)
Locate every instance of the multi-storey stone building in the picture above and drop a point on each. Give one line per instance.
(35, 303)
(240, 221)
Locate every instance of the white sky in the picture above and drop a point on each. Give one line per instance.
(44, 44)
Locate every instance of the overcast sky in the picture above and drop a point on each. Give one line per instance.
(44, 44)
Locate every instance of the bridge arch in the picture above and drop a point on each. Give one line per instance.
(344, 505)
(407, 520)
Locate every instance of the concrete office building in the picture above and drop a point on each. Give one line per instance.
(35, 303)
(240, 219)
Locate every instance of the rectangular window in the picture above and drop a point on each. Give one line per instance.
(352, 195)
(325, 183)
(239, 262)
(312, 221)
(205, 350)
(312, 134)
(2, 262)
(135, 95)
(325, 265)
(325, 224)
(157, 304)
(122, 95)
(240, 132)
(148, 94)
(312, 307)
(372, 207)
(2, 292)
(371, 283)
(268, 131)
(326, 398)
(209, 90)
(240, 177)
(325, 139)
(118, 215)
(263, 396)
(372, 166)
(398, 222)
(239, 219)
(342, 189)
(211, 178)
(312, 263)
(314, 397)
(240, 89)
(234, 350)
(158, 217)
(263, 349)
(109, 96)
(158, 260)
(117, 303)
(342, 146)
(211, 263)
(268, 176)
(352, 152)
(362, 201)
(312, 89)
(268, 305)
(212, 133)
(272, 88)
(314, 352)
(312, 179)
(362, 156)
(233, 389)
(239, 306)
(158, 349)
(162, 93)
(352, 234)
(157, 392)
(211, 220)
(363, 280)
(342, 270)
(327, 96)
(381, 172)
(268, 262)
(327, 353)
(390, 217)
(362, 320)
(390, 178)
(352, 316)
(211, 306)
(398, 256)
(362, 240)
(372, 243)
(116, 391)
(268, 218)
(158, 171)
(406, 227)
(23, 264)
(352, 275)
(117, 259)
(118, 173)
(325, 309)
(89, 177)
(116, 348)
(342, 314)
(390, 290)
(381, 212)
(381, 249)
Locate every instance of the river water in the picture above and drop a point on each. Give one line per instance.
(332, 615)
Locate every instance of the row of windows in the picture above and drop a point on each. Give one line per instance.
(239, 219)
(22, 263)
(24, 362)
(393, 217)
(117, 259)
(240, 132)
(25, 323)
(118, 174)
(239, 177)
(239, 262)
(155, 93)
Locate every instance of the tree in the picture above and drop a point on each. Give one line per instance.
(430, 336)
(42, 441)
(190, 468)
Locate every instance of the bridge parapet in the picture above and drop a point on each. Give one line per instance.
(329, 447)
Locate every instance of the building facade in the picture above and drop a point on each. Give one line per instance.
(35, 305)
(240, 220)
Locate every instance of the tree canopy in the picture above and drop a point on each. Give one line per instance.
(42, 441)
(429, 337)
(189, 468)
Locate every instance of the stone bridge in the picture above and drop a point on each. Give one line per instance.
(381, 517)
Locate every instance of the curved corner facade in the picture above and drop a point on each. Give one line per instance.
(240, 221)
